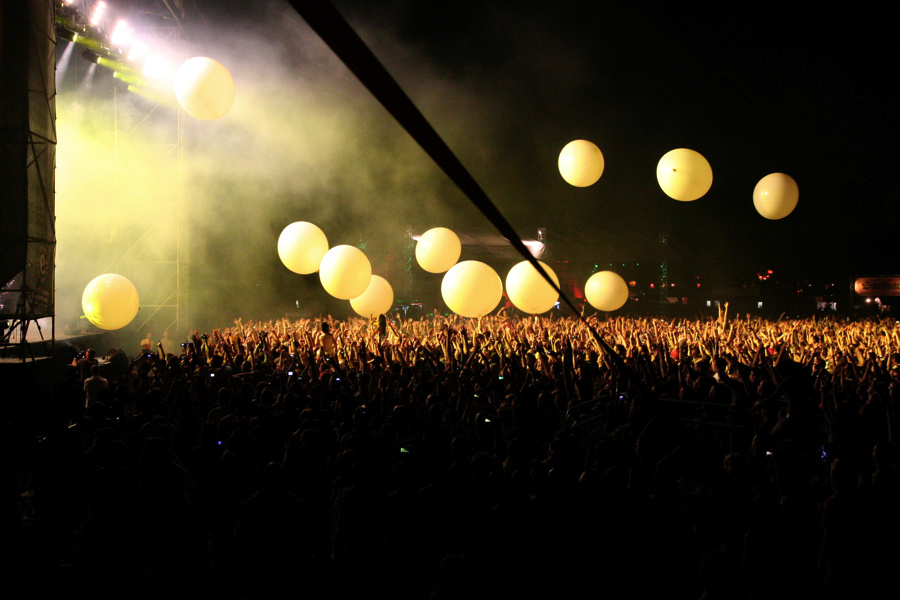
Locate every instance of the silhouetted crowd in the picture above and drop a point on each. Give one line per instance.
(442, 458)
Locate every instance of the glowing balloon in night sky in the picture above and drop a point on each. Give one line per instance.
(684, 174)
(581, 163)
(606, 291)
(776, 196)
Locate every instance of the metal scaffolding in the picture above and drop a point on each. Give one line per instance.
(150, 235)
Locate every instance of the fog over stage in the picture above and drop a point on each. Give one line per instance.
(305, 141)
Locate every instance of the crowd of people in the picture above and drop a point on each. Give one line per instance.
(500, 457)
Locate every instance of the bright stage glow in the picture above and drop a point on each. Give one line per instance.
(535, 247)
(138, 52)
(98, 13)
(156, 67)
(122, 35)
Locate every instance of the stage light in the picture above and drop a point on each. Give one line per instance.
(138, 51)
(85, 42)
(64, 34)
(151, 94)
(158, 68)
(90, 57)
(535, 247)
(129, 78)
(111, 64)
(98, 13)
(122, 35)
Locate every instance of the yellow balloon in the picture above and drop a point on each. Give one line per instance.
(529, 291)
(204, 88)
(438, 249)
(684, 174)
(110, 301)
(376, 300)
(776, 196)
(471, 289)
(581, 163)
(606, 291)
(345, 272)
(301, 247)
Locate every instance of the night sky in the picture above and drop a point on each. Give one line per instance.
(756, 89)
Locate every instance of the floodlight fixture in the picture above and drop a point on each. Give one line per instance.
(535, 247)
(98, 13)
(112, 64)
(129, 77)
(122, 35)
(89, 56)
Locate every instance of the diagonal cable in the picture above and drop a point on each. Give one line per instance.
(337, 33)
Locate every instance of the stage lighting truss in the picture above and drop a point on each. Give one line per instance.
(108, 40)
(111, 42)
